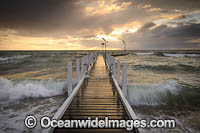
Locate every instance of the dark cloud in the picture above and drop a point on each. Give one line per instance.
(171, 4)
(184, 31)
(68, 15)
(42, 15)
(61, 18)
(58, 17)
(165, 37)
(181, 31)
(33, 13)
(146, 26)
(192, 21)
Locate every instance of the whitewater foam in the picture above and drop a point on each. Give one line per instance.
(12, 91)
(181, 55)
(148, 53)
(154, 94)
(13, 58)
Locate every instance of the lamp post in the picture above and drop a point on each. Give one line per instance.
(104, 46)
(124, 45)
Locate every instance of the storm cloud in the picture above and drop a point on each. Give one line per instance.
(162, 36)
(142, 23)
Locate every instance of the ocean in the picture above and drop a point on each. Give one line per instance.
(161, 85)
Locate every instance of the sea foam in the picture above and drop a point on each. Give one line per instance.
(153, 94)
(147, 53)
(11, 91)
(181, 55)
(13, 58)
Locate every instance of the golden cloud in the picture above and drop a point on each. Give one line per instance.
(102, 7)
(168, 16)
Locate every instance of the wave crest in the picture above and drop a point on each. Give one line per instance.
(147, 53)
(168, 68)
(10, 91)
(11, 59)
(181, 55)
(156, 94)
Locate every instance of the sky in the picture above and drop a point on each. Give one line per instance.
(81, 24)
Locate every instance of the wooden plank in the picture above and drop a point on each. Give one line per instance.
(99, 97)
(95, 111)
(82, 103)
(95, 107)
(93, 117)
(96, 98)
(96, 103)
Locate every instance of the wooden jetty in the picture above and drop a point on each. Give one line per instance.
(97, 93)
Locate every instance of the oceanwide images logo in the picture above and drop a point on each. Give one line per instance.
(46, 122)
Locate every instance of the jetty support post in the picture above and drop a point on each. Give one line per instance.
(124, 80)
(77, 70)
(69, 78)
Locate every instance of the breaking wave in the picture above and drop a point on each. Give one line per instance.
(155, 94)
(11, 91)
(168, 68)
(181, 55)
(147, 53)
(13, 58)
(167, 54)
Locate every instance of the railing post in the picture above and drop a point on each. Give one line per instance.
(90, 60)
(77, 70)
(69, 78)
(85, 65)
(118, 71)
(113, 62)
(109, 62)
(82, 66)
(86, 68)
(124, 80)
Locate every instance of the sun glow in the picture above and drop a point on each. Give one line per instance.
(126, 28)
(102, 7)
(174, 16)
(107, 37)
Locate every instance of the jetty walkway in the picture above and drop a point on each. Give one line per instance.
(96, 93)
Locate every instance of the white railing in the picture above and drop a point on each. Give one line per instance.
(81, 74)
(86, 62)
(114, 67)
